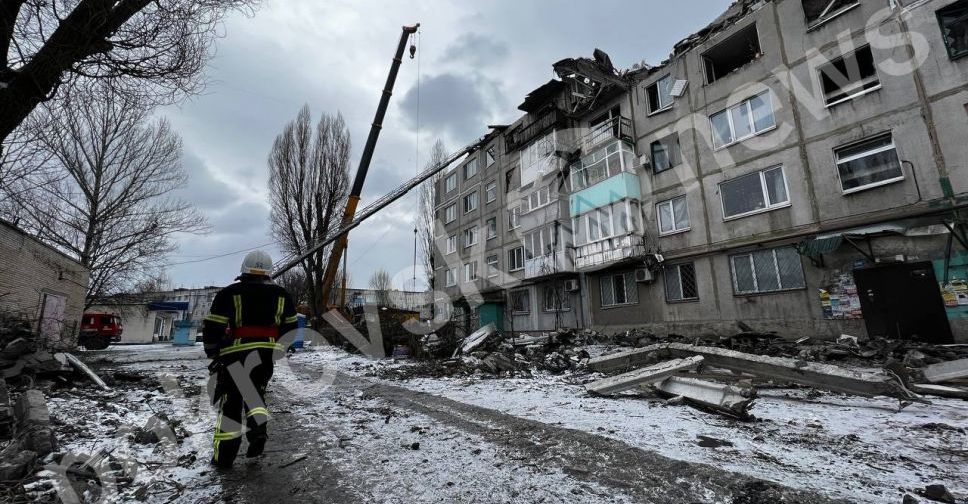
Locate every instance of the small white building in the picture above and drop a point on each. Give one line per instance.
(145, 321)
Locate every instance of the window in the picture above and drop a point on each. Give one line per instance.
(753, 193)
(470, 202)
(538, 198)
(541, 242)
(555, 299)
(492, 266)
(954, 28)
(869, 163)
(601, 164)
(516, 259)
(619, 289)
(848, 77)
(470, 169)
(520, 301)
(742, 121)
(470, 271)
(470, 237)
(514, 215)
(451, 277)
(772, 270)
(732, 54)
(819, 12)
(680, 283)
(666, 153)
(673, 215)
(489, 157)
(660, 94)
(451, 244)
(450, 214)
(492, 228)
(490, 192)
(616, 220)
(450, 183)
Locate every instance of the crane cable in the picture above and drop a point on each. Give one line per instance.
(416, 159)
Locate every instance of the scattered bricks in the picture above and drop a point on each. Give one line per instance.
(17, 466)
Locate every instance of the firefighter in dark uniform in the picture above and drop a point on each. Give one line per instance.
(242, 335)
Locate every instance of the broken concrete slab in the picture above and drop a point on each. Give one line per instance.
(80, 366)
(643, 376)
(33, 423)
(16, 464)
(946, 371)
(822, 376)
(939, 390)
(726, 399)
(475, 339)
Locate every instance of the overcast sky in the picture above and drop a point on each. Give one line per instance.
(477, 62)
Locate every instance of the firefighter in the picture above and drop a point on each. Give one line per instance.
(241, 336)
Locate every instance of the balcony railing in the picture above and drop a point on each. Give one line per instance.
(607, 252)
(616, 128)
(522, 135)
(552, 264)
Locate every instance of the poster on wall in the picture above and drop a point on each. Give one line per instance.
(840, 300)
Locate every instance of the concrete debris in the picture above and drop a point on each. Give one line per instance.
(910, 499)
(476, 339)
(33, 423)
(643, 376)
(946, 371)
(939, 390)
(726, 399)
(711, 442)
(938, 493)
(80, 366)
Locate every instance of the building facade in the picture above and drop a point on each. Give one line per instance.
(798, 165)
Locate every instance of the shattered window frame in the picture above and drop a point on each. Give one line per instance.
(667, 148)
(960, 10)
(847, 78)
(675, 283)
(709, 57)
(826, 14)
(655, 90)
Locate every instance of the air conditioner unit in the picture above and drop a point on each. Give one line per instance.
(643, 275)
(571, 285)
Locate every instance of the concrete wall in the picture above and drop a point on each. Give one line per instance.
(31, 272)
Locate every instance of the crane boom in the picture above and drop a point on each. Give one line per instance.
(354, 197)
(376, 206)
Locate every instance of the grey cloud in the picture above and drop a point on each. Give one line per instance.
(241, 219)
(449, 102)
(203, 190)
(476, 50)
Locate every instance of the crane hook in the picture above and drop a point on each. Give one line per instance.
(413, 50)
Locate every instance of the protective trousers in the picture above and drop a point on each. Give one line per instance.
(240, 401)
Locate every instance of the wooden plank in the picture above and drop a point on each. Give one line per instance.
(946, 371)
(644, 376)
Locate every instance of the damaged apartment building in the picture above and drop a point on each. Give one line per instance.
(798, 165)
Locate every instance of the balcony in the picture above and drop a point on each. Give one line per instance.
(605, 161)
(548, 265)
(602, 254)
(617, 128)
(524, 134)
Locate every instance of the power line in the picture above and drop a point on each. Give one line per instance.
(226, 254)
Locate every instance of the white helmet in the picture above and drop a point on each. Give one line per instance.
(257, 263)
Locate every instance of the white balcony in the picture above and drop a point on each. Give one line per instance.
(607, 252)
(560, 262)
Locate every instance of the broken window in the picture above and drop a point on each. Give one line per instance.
(954, 28)
(450, 183)
(516, 259)
(869, 163)
(489, 157)
(673, 215)
(732, 54)
(492, 266)
(619, 290)
(490, 192)
(680, 283)
(556, 299)
(744, 120)
(450, 214)
(848, 77)
(666, 153)
(818, 12)
(520, 301)
(771, 270)
(754, 193)
(471, 201)
(660, 94)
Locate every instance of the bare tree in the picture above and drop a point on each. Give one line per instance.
(294, 281)
(382, 284)
(104, 195)
(308, 186)
(426, 218)
(148, 48)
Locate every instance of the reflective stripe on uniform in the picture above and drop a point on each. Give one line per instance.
(250, 346)
(257, 411)
(237, 299)
(218, 426)
(218, 319)
(292, 320)
(280, 306)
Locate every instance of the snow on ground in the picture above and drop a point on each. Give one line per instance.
(861, 449)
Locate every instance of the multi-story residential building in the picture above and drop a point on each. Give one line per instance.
(799, 165)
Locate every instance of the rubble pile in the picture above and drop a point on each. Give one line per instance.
(493, 353)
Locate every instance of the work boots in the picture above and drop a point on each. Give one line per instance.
(256, 447)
